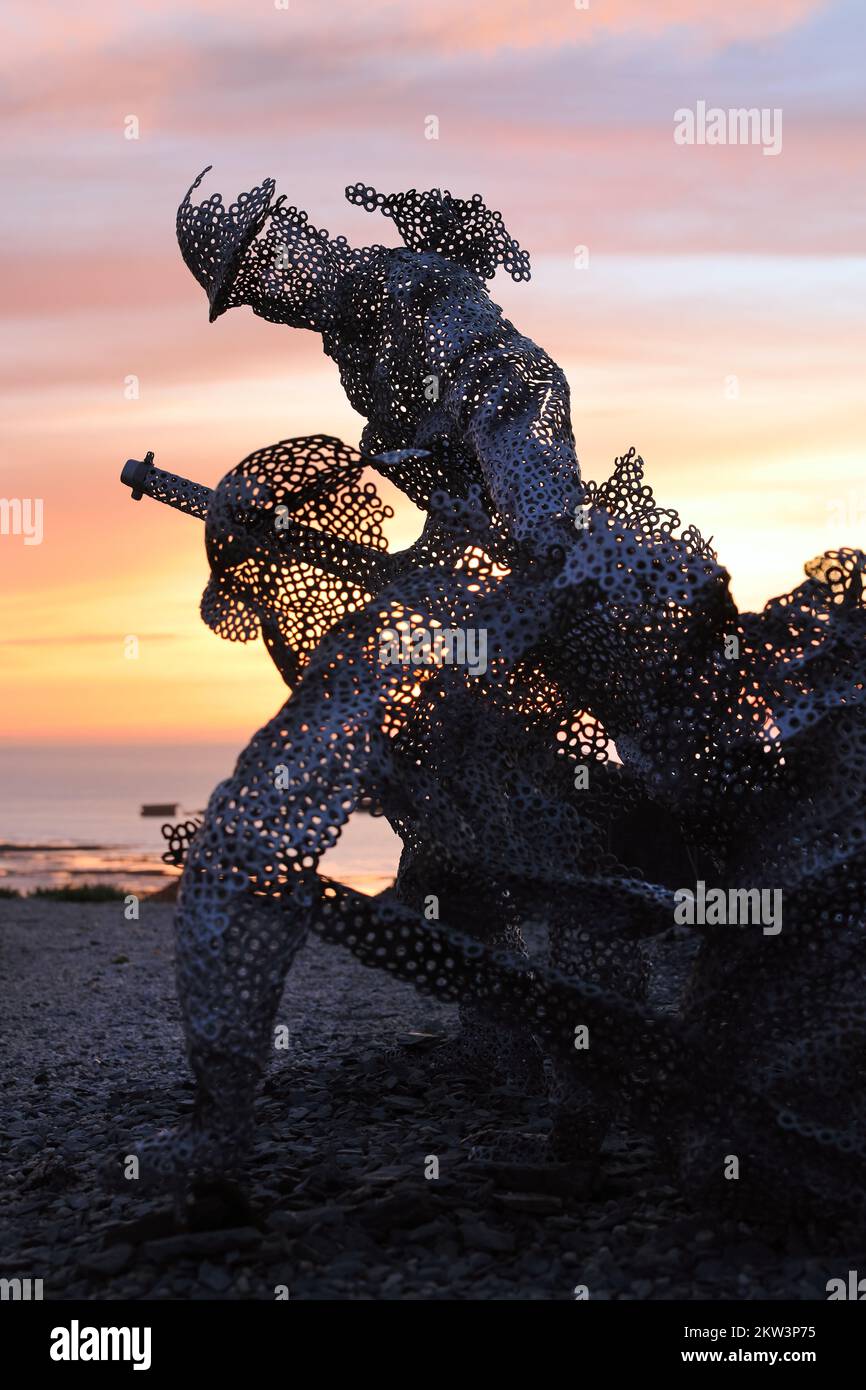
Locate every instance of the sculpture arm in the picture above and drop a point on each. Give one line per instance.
(510, 403)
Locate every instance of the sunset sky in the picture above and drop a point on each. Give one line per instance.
(706, 263)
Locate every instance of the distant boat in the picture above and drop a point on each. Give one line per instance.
(159, 808)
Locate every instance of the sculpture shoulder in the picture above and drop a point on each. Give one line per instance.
(403, 314)
(423, 281)
(412, 283)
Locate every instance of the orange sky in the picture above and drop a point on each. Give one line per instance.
(705, 264)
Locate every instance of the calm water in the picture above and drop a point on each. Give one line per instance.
(71, 814)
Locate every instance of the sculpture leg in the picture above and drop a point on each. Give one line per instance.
(486, 1046)
(233, 952)
(232, 962)
(586, 945)
(245, 904)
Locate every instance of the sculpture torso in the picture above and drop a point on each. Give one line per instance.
(423, 354)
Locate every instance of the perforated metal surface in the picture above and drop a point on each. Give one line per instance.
(605, 622)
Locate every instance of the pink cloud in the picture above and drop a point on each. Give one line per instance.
(522, 23)
(448, 26)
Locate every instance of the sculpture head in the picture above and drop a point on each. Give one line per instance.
(214, 239)
(261, 253)
(265, 254)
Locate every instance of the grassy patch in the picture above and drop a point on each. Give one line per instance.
(82, 893)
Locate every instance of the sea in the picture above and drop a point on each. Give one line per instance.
(71, 814)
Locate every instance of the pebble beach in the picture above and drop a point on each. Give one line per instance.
(337, 1205)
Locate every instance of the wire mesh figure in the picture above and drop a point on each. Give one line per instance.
(604, 620)
(451, 391)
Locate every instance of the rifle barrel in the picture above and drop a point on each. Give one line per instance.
(146, 480)
(370, 568)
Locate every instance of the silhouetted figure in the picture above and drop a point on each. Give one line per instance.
(605, 623)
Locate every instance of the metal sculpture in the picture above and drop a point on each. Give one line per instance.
(605, 623)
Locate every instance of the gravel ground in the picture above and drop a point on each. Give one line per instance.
(338, 1206)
